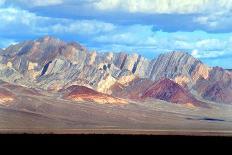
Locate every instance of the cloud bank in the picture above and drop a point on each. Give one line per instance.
(150, 27)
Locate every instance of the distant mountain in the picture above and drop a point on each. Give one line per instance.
(51, 64)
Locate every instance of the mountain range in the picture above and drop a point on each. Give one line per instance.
(51, 67)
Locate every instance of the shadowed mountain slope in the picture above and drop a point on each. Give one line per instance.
(168, 90)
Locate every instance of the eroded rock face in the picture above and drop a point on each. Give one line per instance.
(182, 80)
(51, 64)
(9, 74)
(105, 84)
(201, 71)
(174, 64)
(130, 62)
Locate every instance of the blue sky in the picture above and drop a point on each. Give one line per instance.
(149, 27)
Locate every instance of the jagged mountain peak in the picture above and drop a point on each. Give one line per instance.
(176, 63)
(176, 53)
(48, 38)
(44, 44)
(77, 46)
(179, 54)
(41, 51)
(54, 41)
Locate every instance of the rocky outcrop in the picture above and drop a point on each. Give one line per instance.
(105, 84)
(9, 74)
(130, 62)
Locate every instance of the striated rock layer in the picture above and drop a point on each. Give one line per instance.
(52, 64)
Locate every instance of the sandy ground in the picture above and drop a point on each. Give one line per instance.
(33, 114)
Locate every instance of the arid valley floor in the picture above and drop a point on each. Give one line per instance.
(33, 114)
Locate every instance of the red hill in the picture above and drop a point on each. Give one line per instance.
(168, 90)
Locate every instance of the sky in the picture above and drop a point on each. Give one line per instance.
(202, 28)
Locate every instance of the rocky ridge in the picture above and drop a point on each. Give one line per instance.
(51, 64)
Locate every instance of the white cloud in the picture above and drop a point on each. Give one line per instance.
(13, 15)
(134, 35)
(127, 39)
(82, 27)
(211, 14)
(207, 54)
(195, 53)
(208, 47)
(200, 44)
(216, 20)
(35, 3)
(211, 44)
(208, 15)
(205, 47)
(13, 19)
(164, 6)
(45, 3)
